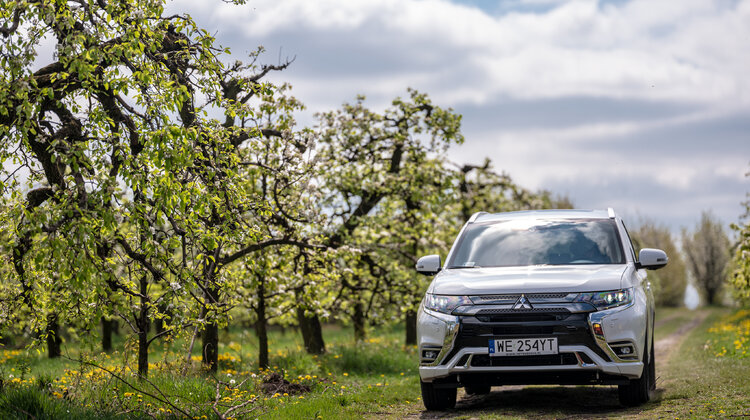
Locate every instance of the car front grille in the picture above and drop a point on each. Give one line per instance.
(489, 324)
(515, 316)
(515, 330)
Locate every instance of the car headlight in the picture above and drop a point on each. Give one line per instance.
(606, 300)
(444, 303)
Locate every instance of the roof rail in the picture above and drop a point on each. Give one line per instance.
(476, 215)
(611, 213)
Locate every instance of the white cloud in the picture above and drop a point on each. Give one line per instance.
(689, 57)
(691, 50)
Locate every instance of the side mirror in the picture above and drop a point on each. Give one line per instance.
(429, 265)
(652, 259)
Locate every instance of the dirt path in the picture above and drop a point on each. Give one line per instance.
(664, 347)
(659, 322)
(575, 402)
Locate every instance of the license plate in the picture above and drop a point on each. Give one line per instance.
(523, 346)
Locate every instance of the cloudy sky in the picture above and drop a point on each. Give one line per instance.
(642, 105)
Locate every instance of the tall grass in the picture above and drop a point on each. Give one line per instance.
(350, 376)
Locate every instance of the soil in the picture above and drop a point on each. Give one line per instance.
(275, 383)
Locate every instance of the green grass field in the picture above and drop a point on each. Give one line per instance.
(346, 381)
(701, 382)
(708, 375)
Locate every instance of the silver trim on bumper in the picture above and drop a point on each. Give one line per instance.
(630, 370)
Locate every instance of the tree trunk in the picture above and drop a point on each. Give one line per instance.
(261, 329)
(312, 333)
(360, 327)
(143, 350)
(261, 324)
(160, 323)
(106, 334)
(143, 324)
(710, 295)
(53, 336)
(317, 345)
(211, 335)
(411, 328)
(304, 327)
(210, 346)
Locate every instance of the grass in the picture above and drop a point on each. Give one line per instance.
(349, 379)
(708, 376)
(699, 382)
(25, 403)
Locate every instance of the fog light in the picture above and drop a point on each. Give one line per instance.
(430, 355)
(625, 351)
(598, 329)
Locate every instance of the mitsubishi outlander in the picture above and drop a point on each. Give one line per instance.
(538, 297)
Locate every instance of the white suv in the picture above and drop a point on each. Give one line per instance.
(538, 297)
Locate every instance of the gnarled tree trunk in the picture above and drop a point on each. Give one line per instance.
(53, 336)
(312, 332)
(107, 334)
(261, 324)
(211, 335)
(358, 319)
(143, 323)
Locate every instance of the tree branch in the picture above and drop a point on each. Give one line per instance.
(265, 244)
(7, 30)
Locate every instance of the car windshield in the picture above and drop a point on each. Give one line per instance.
(538, 242)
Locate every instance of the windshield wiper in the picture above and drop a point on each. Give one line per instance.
(465, 266)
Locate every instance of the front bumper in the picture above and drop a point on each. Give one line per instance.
(584, 357)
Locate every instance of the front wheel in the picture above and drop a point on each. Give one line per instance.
(437, 398)
(639, 391)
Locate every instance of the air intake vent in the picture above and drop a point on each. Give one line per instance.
(511, 298)
(547, 296)
(516, 311)
(561, 359)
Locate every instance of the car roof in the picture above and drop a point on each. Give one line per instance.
(543, 214)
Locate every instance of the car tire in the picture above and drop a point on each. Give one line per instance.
(438, 398)
(477, 389)
(639, 391)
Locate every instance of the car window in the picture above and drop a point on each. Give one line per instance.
(538, 242)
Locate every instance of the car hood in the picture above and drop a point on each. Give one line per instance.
(531, 279)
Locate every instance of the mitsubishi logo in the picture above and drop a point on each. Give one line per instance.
(522, 303)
